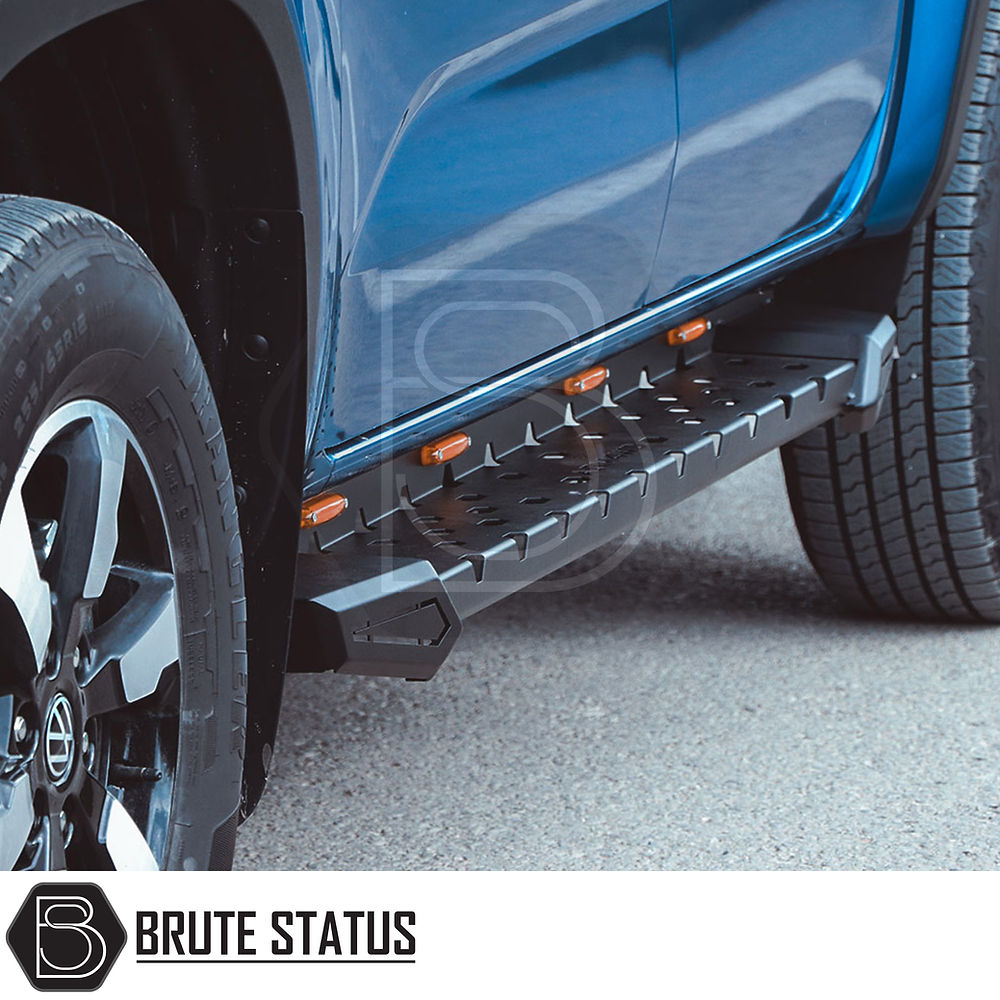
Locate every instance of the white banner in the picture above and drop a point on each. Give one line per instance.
(511, 935)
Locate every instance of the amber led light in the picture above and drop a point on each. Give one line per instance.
(323, 508)
(593, 378)
(444, 450)
(687, 332)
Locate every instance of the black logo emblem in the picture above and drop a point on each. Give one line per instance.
(66, 936)
(60, 743)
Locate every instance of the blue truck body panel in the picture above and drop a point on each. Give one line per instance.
(932, 62)
(776, 99)
(510, 193)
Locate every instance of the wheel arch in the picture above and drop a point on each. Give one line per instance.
(188, 123)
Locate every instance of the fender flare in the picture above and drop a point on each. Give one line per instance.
(28, 25)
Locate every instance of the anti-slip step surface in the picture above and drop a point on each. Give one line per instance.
(498, 528)
(384, 588)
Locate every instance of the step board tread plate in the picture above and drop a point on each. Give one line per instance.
(420, 550)
(585, 485)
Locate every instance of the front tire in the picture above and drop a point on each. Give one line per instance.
(123, 685)
(905, 520)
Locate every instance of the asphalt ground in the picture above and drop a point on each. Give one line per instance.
(703, 704)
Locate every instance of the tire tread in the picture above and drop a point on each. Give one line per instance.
(899, 520)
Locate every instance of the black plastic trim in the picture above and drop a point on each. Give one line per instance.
(374, 617)
(975, 25)
(28, 25)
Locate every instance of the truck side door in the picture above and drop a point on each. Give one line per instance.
(505, 173)
(776, 99)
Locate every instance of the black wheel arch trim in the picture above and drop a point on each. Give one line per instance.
(951, 140)
(28, 26)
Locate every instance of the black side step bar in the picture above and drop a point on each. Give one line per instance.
(384, 592)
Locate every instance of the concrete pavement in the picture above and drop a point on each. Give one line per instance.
(703, 704)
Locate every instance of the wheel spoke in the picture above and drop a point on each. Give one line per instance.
(20, 579)
(87, 537)
(111, 445)
(133, 648)
(17, 816)
(112, 832)
(54, 845)
(47, 849)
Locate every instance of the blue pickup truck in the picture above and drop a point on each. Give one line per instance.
(325, 324)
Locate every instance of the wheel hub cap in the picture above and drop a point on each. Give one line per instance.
(59, 745)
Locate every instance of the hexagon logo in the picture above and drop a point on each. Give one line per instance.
(66, 936)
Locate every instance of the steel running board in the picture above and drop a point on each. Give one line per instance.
(552, 478)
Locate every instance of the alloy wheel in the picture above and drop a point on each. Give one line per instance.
(90, 678)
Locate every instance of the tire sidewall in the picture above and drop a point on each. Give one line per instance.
(94, 320)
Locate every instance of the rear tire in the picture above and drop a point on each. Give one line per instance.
(905, 520)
